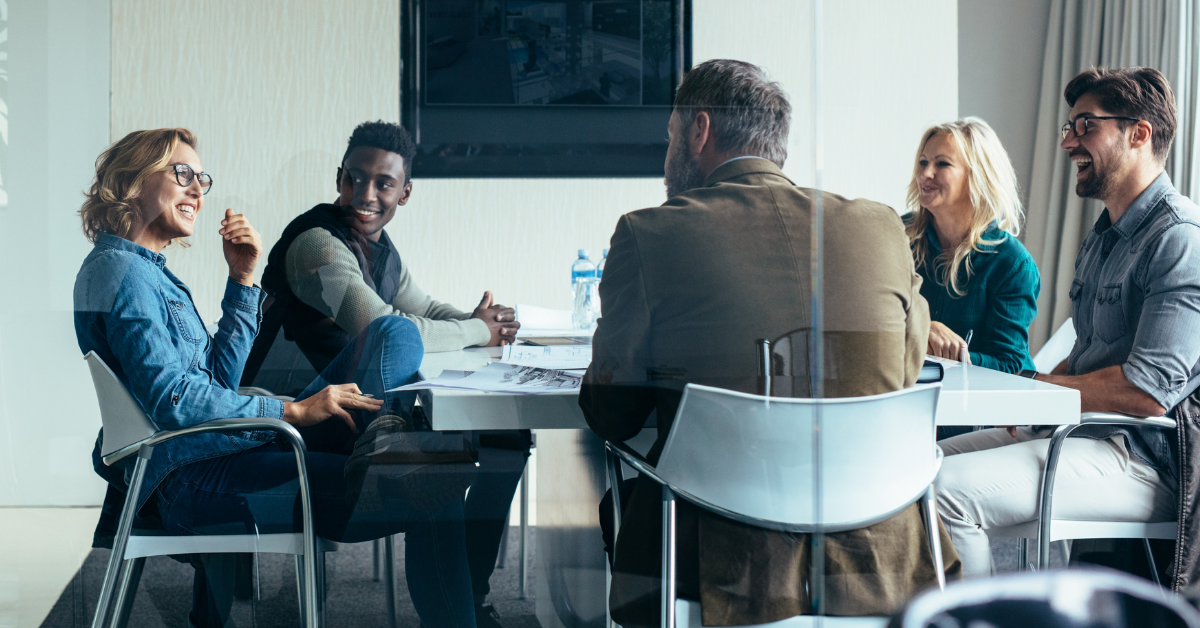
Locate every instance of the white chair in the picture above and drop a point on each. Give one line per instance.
(128, 431)
(1048, 529)
(1094, 597)
(1056, 349)
(753, 459)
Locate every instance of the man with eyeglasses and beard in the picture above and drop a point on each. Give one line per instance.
(687, 288)
(1135, 303)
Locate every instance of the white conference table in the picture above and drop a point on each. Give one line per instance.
(971, 395)
(570, 565)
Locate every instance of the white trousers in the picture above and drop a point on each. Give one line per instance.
(989, 480)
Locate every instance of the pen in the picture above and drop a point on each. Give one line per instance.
(966, 343)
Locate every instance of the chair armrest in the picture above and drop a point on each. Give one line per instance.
(635, 460)
(215, 425)
(1054, 451)
(1113, 418)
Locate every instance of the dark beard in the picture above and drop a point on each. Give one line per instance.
(1094, 185)
(683, 173)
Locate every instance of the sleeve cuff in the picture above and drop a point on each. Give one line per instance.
(477, 332)
(245, 298)
(1151, 382)
(270, 408)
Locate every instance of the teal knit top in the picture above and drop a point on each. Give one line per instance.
(1000, 300)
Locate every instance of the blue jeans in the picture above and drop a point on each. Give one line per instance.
(502, 458)
(256, 491)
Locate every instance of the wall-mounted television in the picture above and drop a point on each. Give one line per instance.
(541, 88)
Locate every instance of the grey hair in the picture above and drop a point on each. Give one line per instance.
(750, 113)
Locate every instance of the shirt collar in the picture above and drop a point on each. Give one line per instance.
(1139, 210)
(111, 241)
(735, 159)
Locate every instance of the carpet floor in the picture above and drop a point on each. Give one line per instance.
(353, 599)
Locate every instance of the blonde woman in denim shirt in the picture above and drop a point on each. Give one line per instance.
(141, 320)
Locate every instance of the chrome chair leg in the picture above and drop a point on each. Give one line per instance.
(523, 569)
(1150, 559)
(668, 558)
(502, 553)
(389, 577)
(375, 550)
(121, 539)
(1046, 493)
(300, 589)
(613, 470)
(321, 588)
(131, 575)
(934, 533)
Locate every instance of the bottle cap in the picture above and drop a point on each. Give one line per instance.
(583, 254)
(604, 253)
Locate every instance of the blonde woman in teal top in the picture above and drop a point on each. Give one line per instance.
(963, 226)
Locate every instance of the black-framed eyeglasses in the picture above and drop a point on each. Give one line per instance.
(1079, 126)
(184, 175)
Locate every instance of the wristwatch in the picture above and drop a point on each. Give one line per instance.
(1028, 373)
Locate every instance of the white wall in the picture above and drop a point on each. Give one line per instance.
(272, 114)
(1000, 49)
(58, 110)
(273, 89)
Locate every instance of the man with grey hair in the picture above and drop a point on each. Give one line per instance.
(687, 288)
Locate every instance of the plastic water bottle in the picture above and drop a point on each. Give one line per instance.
(600, 266)
(582, 268)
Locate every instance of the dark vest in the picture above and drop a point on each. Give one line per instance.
(317, 335)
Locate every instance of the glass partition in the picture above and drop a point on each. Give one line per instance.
(700, 315)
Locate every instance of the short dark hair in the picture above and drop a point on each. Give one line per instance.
(1142, 93)
(387, 136)
(749, 112)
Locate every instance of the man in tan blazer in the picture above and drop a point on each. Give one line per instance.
(687, 288)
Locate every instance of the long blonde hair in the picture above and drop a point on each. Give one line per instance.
(121, 170)
(991, 187)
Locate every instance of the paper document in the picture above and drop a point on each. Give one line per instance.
(505, 378)
(945, 362)
(535, 317)
(542, 321)
(552, 357)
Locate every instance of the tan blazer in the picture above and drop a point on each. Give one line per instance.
(687, 289)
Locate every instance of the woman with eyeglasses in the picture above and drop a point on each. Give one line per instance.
(965, 213)
(141, 320)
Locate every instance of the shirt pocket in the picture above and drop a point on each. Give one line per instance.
(186, 321)
(1076, 289)
(1109, 313)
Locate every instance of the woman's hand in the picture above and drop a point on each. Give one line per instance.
(334, 400)
(242, 246)
(944, 343)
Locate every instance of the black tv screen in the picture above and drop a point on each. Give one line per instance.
(542, 88)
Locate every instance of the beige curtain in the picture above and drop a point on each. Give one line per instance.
(1113, 33)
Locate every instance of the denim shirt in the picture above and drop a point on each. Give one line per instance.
(140, 319)
(1135, 301)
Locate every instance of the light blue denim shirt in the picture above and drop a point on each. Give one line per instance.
(1135, 301)
(140, 319)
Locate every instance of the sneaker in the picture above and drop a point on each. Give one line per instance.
(424, 469)
(385, 430)
(487, 617)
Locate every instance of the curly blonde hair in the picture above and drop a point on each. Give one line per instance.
(121, 170)
(991, 187)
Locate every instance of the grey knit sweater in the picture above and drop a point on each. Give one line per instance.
(324, 274)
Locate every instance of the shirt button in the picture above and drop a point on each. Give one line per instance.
(175, 399)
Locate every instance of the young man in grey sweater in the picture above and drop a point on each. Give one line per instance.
(335, 270)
